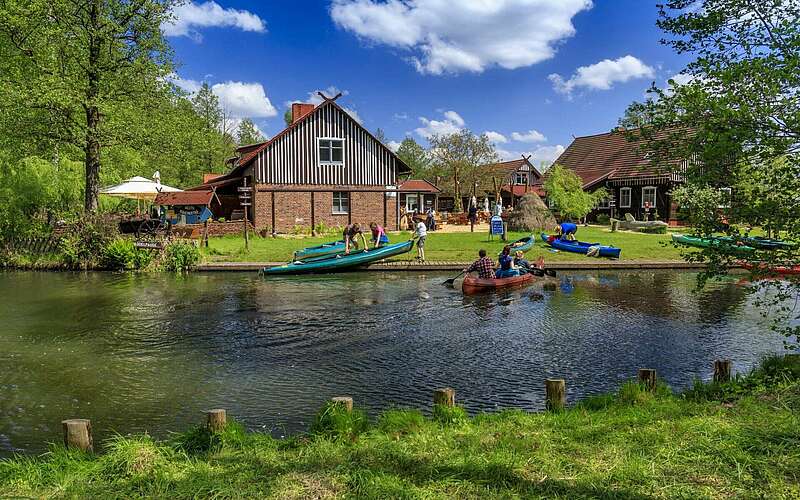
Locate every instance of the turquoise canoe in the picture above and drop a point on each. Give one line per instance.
(523, 244)
(331, 248)
(336, 263)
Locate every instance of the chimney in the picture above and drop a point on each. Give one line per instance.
(300, 109)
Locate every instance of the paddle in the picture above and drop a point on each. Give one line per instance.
(452, 280)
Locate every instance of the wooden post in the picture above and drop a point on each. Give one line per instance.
(722, 370)
(647, 376)
(345, 402)
(313, 218)
(555, 394)
(216, 420)
(505, 231)
(205, 233)
(444, 397)
(78, 434)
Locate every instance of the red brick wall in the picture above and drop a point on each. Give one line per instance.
(294, 209)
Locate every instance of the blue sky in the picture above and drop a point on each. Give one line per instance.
(533, 72)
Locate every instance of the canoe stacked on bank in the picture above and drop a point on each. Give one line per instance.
(340, 262)
(581, 247)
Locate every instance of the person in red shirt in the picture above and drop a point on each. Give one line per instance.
(483, 265)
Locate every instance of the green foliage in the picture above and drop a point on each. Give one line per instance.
(772, 372)
(248, 133)
(460, 160)
(604, 219)
(565, 191)
(84, 243)
(119, 255)
(734, 116)
(181, 256)
(287, 117)
(334, 421)
(450, 415)
(398, 422)
(415, 157)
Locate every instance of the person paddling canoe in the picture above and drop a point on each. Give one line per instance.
(483, 265)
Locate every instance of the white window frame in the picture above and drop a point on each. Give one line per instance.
(319, 150)
(343, 197)
(622, 198)
(655, 195)
(409, 197)
(604, 204)
(525, 178)
(726, 202)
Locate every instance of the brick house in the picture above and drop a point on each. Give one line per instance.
(614, 162)
(324, 168)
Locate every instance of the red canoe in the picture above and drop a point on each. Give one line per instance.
(477, 285)
(764, 268)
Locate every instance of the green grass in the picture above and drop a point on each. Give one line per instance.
(454, 247)
(633, 444)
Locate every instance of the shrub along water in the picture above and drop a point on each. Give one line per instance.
(708, 442)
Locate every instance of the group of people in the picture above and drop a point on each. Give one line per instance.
(352, 232)
(508, 266)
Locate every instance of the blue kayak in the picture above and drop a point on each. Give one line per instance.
(581, 247)
(331, 248)
(340, 262)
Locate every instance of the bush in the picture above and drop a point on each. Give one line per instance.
(181, 256)
(334, 421)
(603, 219)
(119, 255)
(86, 240)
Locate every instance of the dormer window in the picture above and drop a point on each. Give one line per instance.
(331, 151)
(521, 178)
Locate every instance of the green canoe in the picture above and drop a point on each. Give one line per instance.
(695, 241)
(336, 263)
(331, 248)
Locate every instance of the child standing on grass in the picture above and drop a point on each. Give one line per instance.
(420, 234)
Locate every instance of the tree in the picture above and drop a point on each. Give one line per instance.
(287, 117)
(415, 157)
(79, 63)
(733, 116)
(206, 104)
(380, 135)
(248, 133)
(565, 192)
(460, 159)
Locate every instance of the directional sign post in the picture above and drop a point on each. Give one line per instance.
(245, 200)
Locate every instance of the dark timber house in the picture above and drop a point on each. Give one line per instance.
(621, 166)
(324, 168)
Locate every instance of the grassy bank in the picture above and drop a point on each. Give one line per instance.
(456, 247)
(737, 439)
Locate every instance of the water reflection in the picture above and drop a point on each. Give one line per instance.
(150, 353)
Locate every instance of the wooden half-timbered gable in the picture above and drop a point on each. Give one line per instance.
(323, 169)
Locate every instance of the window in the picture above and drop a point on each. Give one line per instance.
(603, 204)
(724, 198)
(412, 204)
(331, 151)
(625, 198)
(521, 178)
(649, 197)
(341, 202)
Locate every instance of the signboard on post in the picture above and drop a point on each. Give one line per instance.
(496, 225)
(245, 200)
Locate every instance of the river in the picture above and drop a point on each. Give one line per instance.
(138, 353)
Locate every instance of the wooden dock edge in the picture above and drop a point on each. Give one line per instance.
(414, 266)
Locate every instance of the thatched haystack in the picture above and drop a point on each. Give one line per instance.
(531, 214)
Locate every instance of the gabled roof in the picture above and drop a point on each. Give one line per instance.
(607, 156)
(184, 198)
(418, 186)
(250, 152)
(510, 166)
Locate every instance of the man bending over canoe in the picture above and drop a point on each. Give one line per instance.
(483, 265)
(349, 235)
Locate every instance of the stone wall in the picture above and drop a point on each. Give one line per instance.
(294, 209)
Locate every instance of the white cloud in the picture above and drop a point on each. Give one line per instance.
(496, 137)
(602, 75)
(463, 35)
(393, 145)
(451, 124)
(529, 136)
(401, 116)
(191, 15)
(541, 157)
(242, 99)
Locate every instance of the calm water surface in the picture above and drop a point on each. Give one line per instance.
(150, 353)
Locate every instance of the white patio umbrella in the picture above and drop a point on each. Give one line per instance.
(139, 189)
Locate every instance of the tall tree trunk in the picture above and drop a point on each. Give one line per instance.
(92, 149)
(457, 191)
